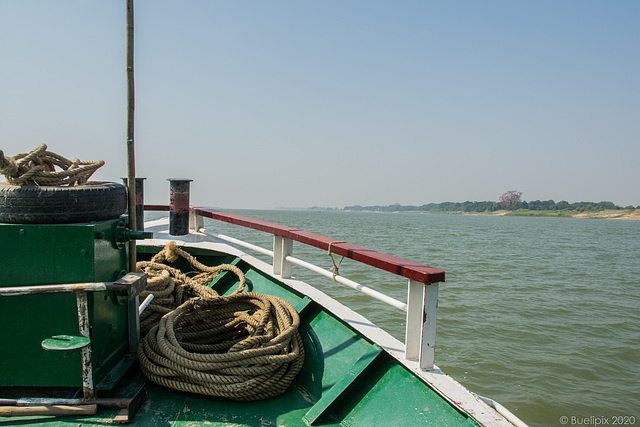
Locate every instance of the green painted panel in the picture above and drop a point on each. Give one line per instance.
(52, 254)
(332, 349)
(391, 388)
(27, 321)
(45, 254)
(110, 261)
(265, 284)
(335, 393)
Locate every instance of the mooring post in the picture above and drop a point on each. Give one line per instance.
(139, 201)
(179, 206)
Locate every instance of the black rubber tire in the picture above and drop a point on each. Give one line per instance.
(93, 201)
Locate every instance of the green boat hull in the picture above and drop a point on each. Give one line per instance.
(346, 378)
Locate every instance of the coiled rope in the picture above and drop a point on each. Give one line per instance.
(38, 168)
(245, 346)
(172, 288)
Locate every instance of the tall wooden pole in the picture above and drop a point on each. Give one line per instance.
(131, 160)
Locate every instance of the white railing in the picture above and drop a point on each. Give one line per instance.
(288, 259)
(422, 299)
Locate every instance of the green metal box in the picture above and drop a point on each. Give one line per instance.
(33, 254)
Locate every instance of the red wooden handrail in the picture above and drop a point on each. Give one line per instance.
(399, 266)
(160, 208)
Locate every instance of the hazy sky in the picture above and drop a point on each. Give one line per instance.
(300, 103)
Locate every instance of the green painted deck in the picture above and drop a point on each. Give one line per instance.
(346, 380)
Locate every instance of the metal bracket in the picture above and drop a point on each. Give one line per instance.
(130, 407)
(133, 283)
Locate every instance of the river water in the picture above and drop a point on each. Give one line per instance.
(539, 314)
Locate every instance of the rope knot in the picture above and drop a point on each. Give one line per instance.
(336, 268)
(170, 252)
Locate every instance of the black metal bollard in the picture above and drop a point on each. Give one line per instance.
(179, 206)
(139, 201)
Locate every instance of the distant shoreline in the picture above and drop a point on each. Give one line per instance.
(623, 214)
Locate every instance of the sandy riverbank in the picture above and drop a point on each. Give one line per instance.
(632, 214)
(626, 214)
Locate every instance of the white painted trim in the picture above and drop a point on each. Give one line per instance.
(350, 283)
(196, 222)
(415, 298)
(282, 248)
(238, 242)
(312, 267)
(503, 411)
(428, 335)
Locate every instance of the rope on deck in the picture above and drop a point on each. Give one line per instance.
(244, 346)
(37, 167)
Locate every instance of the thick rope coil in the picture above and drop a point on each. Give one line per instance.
(245, 346)
(38, 168)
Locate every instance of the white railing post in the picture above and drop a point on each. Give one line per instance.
(196, 222)
(428, 346)
(282, 248)
(415, 298)
(420, 339)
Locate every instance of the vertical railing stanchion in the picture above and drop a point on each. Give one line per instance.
(428, 345)
(422, 309)
(196, 222)
(282, 247)
(415, 299)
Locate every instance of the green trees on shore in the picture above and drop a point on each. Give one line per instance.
(488, 206)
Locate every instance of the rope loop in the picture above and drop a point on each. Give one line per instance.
(38, 167)
(336, 268)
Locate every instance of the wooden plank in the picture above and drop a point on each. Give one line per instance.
(255, 224)
(22, 411)
(392, 264)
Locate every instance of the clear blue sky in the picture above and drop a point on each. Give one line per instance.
(332, 103)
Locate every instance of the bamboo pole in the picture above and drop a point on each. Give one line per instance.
(131, 163)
